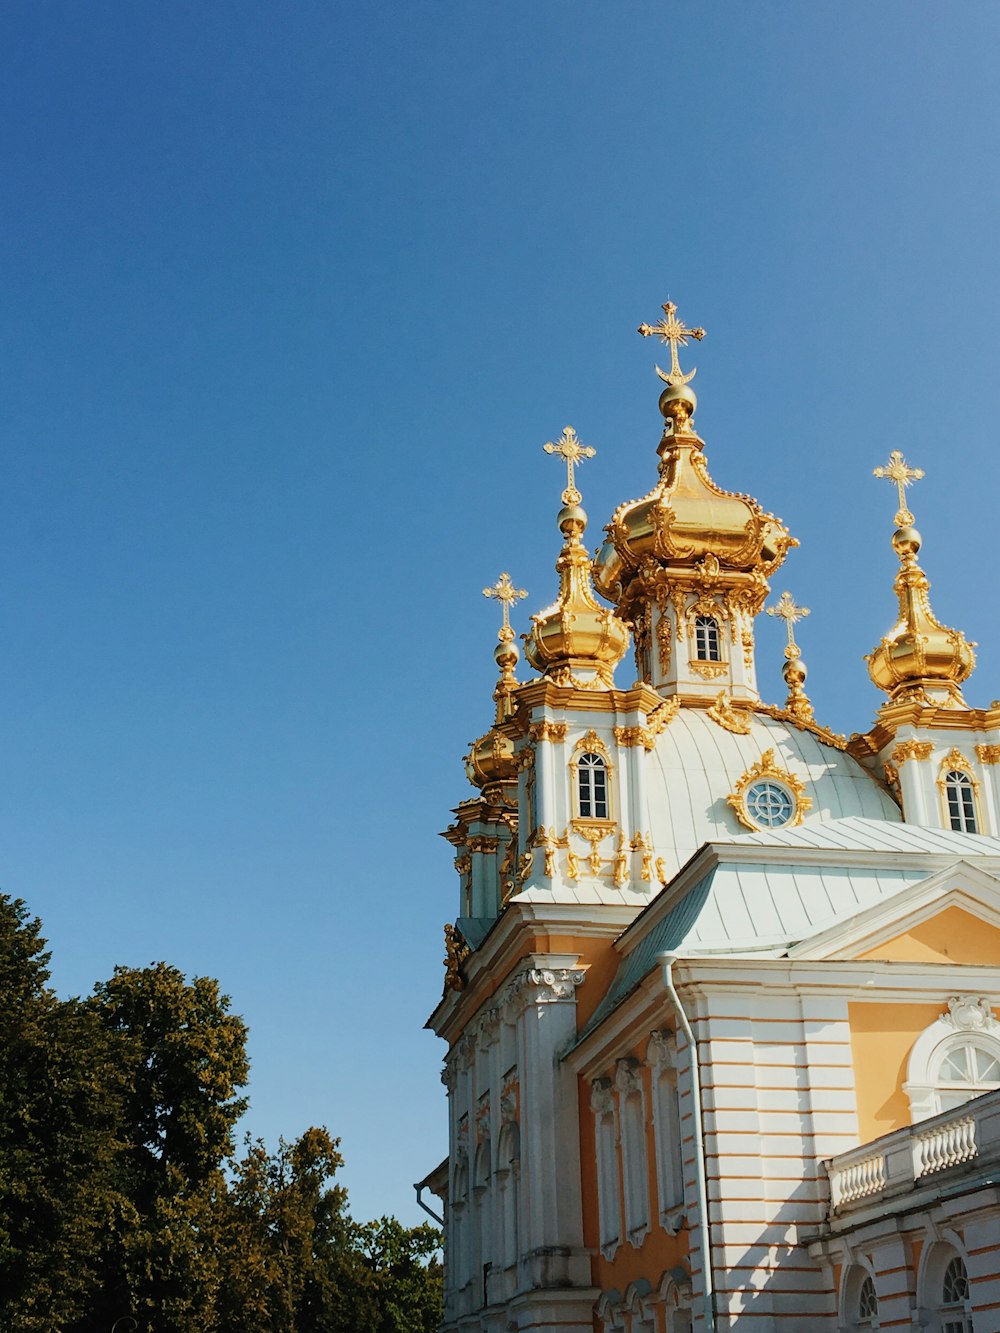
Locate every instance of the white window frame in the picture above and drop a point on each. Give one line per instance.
(969, 1019)
(631, 1088)
(707, 637)
(934, 1262)
(602, 1103)
(661, 1056)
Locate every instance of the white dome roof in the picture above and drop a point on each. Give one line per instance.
(697, 764)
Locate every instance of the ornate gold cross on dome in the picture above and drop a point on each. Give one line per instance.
(791, 615)
(672, 331)
(506, 594)
(570, 448)
(902, 474)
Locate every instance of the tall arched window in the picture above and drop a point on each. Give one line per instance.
(960, 796)
(956, 1313)
(867, 1304)
(707, 644)
(592, 786)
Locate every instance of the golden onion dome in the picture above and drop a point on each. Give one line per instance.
(919, 657)
(575, 641)
(686, 519)
(919, 654)
(490, 762)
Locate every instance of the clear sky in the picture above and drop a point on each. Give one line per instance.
(292, 295)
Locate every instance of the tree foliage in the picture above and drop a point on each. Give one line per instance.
(120, 1193)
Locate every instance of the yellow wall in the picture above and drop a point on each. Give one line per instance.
(952, 936)
(882, 1035)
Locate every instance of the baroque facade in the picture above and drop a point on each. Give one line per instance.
(721, 994)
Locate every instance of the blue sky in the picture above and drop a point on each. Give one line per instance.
(292, 296)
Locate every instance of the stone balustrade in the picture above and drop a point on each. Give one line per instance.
(898, 1162)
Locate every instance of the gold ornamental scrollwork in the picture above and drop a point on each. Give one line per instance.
(709, 670)
(955, 761)
(988, 754)
(484, 844)
(591, 743)
(456, 952)
(766, 769)
(547, 730)
(736, 720)
(620, 868)
(906, 750)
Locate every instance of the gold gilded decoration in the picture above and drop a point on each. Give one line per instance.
(572, 866)
(794, 672)
(463, 864)
(569, 448)
(709, 670)
(524, 758)
(456, 952)
(524, 864)
(541, 837)
(737, 720)
(659, 719)
(955, 759)
(661, 870)
(674, 333)
(506, 594)
(591, 743)
(595, 831)
(919, 660)
(621, 864)
(988, 754)
(575, 641)
(547, 730)
(641, 843)
(891, 773)
(663, 642)
(483, 843)
(767, 769)
(898, 471)
(912, 750)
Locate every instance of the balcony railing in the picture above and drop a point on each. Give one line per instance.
(900, 1161)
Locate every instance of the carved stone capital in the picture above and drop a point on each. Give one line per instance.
(537, 985)
(602, 1100)
(628, 1076)
(661, 1050)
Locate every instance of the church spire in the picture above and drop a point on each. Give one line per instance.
(919, 658)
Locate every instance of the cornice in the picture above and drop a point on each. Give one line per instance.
(912, 713)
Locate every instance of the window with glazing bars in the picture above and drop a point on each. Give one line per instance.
(592, 786)
(961, 797)
(706, 639)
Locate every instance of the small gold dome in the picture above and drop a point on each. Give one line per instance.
(490, 761)
(919, 654)
(576, 641)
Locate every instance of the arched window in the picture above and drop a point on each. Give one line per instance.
(592, 786)
(955, 1309)
(960, 796)
(956, 1058)
(867, 1304)
(967, 1069)
(706, 639)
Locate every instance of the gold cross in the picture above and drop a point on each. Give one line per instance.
(790, 614)
(898, 471)
(506, 594)
(570, 448)
(672, 331)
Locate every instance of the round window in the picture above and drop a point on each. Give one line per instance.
(769, 804)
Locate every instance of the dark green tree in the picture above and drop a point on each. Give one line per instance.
(58, 1136)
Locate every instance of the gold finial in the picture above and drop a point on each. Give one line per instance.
(569, 448)
(506, 594)
(671, 330)
(791, 615)
(794, 671)
(897, 470)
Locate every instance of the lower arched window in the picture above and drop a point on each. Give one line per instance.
(707, 645)
(867, 1304)
(956, 1313)
(960, 795)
